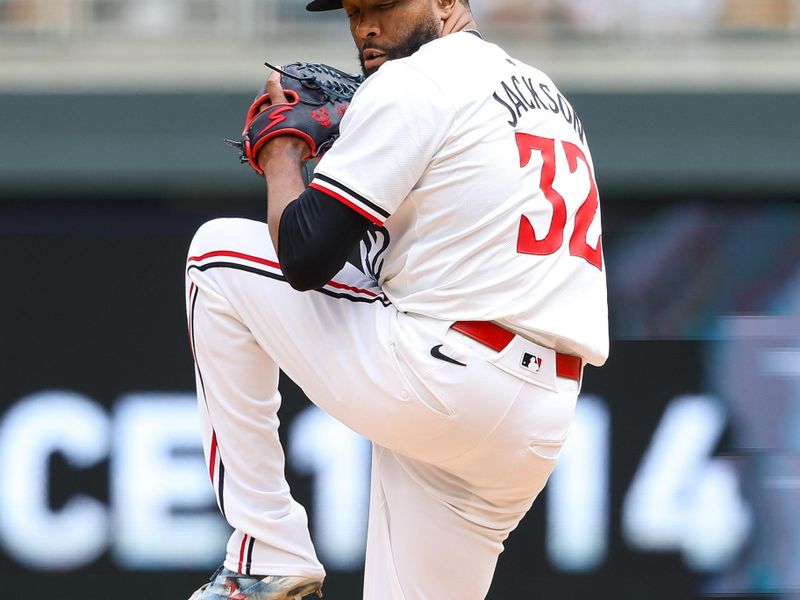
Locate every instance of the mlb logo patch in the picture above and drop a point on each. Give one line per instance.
(531, 362)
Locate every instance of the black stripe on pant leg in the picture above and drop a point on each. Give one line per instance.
(221, 482)
(255, 271)
(249, 555)
(194, 349)
(221, 470)
(239, 267)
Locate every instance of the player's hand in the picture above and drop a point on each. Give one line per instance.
(283, 144)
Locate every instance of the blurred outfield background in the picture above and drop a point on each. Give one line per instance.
(682, 476)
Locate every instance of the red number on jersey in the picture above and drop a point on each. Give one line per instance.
(578, 245)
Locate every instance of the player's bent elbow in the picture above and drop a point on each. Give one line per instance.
(304, 278)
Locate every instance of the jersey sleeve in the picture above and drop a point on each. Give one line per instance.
(392, 130)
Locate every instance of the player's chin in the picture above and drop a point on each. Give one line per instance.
(371, 66)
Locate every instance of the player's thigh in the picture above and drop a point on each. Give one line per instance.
(337, 343)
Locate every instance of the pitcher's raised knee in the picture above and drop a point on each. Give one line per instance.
(232, 236)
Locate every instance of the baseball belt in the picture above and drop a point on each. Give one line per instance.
(495, 337)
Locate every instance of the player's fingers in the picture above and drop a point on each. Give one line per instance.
(275, 90)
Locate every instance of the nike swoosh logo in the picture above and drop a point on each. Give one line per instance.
(436, 352)
(275, 118)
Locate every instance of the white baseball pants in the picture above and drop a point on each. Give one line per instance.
(459, 452)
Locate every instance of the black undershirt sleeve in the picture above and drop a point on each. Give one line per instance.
(316, 235)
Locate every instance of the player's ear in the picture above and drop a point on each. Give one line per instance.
(445, 8)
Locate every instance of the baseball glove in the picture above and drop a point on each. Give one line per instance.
(318, 96)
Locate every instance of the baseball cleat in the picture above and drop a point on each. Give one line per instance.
(227, 585)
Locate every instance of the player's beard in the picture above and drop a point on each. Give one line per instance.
(425, 31)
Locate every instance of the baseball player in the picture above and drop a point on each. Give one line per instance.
(457, 348)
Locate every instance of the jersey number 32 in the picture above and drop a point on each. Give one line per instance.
(578, 245)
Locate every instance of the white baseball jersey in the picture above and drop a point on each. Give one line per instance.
(483, 184)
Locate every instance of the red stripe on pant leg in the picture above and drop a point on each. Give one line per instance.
(241, 552)
(234, 254)
(269, 263)
(212, 461)
(344, 286)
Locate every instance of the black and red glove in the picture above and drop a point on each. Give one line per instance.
(318, 96)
